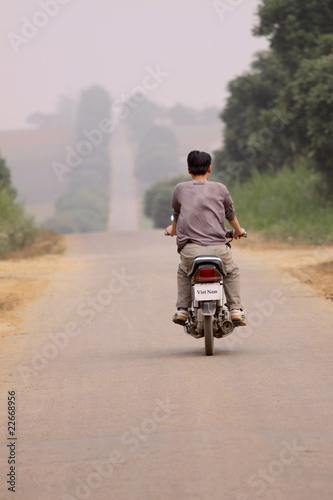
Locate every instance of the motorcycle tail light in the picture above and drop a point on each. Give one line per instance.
(207, 275)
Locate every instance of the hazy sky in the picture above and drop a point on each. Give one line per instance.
(113, 42)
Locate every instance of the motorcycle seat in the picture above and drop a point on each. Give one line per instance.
(204, 260)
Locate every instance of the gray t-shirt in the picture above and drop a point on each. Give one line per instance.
(200, 208)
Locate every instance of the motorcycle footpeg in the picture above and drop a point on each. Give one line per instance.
(179, 322)
(191, 330)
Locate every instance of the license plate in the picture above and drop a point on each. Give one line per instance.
(207, 291)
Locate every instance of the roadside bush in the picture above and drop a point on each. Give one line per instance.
(80, 211)
(17, 230)
(85, 178)
(77, 221)
(94, 199)
(286, 205)
(5, 177)
(157, 200)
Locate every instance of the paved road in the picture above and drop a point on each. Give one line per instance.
(129, 408)
(123, 215)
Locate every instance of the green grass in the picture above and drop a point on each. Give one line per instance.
(287, 205)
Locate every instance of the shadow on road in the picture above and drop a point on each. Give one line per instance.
(163, 353)
(181, 353)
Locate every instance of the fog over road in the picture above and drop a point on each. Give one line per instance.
(125, 384)
(123, 215)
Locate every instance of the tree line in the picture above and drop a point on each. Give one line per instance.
(278, 118)
(282, 109)
(85, 207)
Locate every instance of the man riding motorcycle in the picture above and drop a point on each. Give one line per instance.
(200, 208)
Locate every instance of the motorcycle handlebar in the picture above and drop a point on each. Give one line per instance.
(229, 234)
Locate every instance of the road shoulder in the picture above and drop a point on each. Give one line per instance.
(312, 265)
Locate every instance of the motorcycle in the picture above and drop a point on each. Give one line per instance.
(209, 316)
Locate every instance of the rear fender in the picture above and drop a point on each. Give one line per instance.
(208, 308)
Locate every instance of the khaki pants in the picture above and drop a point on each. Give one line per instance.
(231, 281)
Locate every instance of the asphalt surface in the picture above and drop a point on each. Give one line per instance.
(126, 406)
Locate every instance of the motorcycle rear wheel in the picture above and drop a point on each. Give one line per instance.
(209, 336)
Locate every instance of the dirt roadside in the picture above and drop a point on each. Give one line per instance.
(24, 280)
(312, 265)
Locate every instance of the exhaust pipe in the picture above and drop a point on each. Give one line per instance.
(227, 327)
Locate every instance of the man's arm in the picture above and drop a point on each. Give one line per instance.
(172, 229)
(238, 231)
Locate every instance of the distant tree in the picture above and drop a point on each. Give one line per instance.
(66, 109)
(92, 199)
(254, 120)
(95, 169)
(63, 117)
(296, 29)
(300, 34)
(86, 178)
(312, 91)
(80, 211)
(138, 117)
(86, 206)
(17, 229)
(283, 106)
(5, 177)
(94, 105)
(183, 115)
(157, 154)
(158, 135)
(208, 115)
(76, 220)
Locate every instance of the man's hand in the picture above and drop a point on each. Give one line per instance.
(171, 230)
(237, 233)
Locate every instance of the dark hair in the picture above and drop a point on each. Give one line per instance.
(198, 162)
